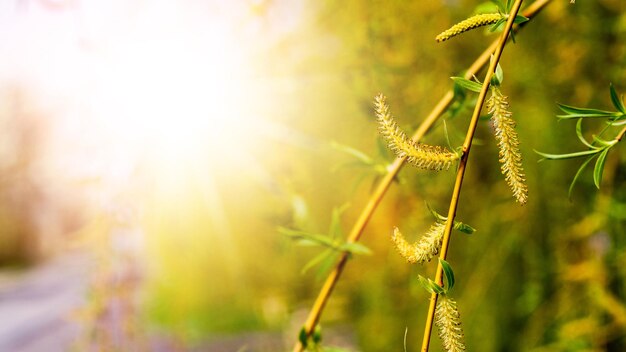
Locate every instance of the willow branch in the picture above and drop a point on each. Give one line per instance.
(620, 135)
(454, 202)
(385, 182)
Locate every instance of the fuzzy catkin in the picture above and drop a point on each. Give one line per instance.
(508, 143)
(418, 154)
(448, 322)
(423, 250)
(469, 24)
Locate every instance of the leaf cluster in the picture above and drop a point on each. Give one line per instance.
(599, 147)
(432, 287)
(332, 242)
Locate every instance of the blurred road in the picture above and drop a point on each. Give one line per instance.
(36, 305)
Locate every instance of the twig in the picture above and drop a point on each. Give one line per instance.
(462, 166)
(383, 186)
(620, 135)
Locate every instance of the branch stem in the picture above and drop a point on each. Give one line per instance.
(385, 183)
(454, 202)
(621, 134)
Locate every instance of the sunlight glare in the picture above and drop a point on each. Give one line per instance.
(173, 90)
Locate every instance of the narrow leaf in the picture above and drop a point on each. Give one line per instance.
(520, 19)
(436, 288)
(303, 337)
(305, 238)
(599, 167)
(312, 239)
(499, 74)
(603, 142)
(569, 155)
(425, 284)
(438, 217)
(429, 285)
(617, 102)
(361, 156)
(315, 261)
(618, 122)
(335, 221)
(579, 133)
(467, 84)
(447, 270)
(578, 173)
(317, 334)
(465, 228)
(574, 112)
(356, 248)
(496, 25)
(325, 266)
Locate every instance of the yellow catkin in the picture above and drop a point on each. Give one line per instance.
(418, 154)
(425, 249)
(469, 24)
(510, 155)
(448, 321)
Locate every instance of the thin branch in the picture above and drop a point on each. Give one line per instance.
(383, 186)
(620, 135)
(454, 202)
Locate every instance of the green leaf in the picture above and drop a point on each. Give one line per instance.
(574, 112)
(579, 133)
(303, 337)
(315, 261)
(467, 84)
(449, 274)
(430, 286)
(325, 266)
(603, 142)
(497, 25)
(465, 228)
(569, 155)
(578, 173)
(304, 238)
(617, 102)
(361, 156)
(520, 19)
(513, 37)
(335, 221)
(599, 167)
(309, 239)
(499, 75)
(618, 122)
(438, 217)
(356, 248)
(459, 95)
(317, 334)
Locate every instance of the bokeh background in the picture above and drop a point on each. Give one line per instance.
(151, 151)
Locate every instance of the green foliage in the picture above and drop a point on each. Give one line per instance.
(599, 147)
(314, 342)
(459, 226)
(432, 287)
(332, 243)
(467, 84)
(448, 273)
